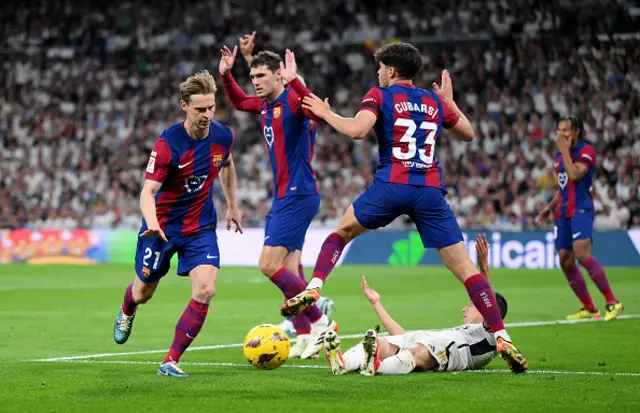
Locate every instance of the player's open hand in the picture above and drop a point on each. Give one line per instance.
(154, 232)
(562, 143)
(543, 217)
(317, 106)
(289, 68)
(234, 215)
(371, 294)
(247, 42)
(227, 58)
(445, 90)
(482, 248)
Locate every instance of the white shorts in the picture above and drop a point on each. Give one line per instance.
(445, 351)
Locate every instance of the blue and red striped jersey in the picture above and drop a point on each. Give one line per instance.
(288, 133)
(408, 125)
(186, 169)
(575, 195)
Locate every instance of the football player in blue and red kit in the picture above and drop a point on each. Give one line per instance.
(574, 216)
(179, 215)
(296, 200)
(407, 122)
(326, 304)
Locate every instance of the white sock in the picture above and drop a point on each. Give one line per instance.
(315, 283)
(354, 358)
(321, 322)
(502, 333)
(401, 363)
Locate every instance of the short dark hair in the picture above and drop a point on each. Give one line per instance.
(404, 57)
(502, 305)
(266, 58)
(576, 124)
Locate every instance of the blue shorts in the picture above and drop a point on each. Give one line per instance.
(153, 255)
(383, 202)
(568, 230)
(287, 223)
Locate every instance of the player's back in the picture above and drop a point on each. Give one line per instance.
(575, 195)
(408, 126)
(187, 167)
(475, 345)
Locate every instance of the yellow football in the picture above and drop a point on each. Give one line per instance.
(266, 347)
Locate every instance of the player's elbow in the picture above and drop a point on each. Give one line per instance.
(466, 135)
(358, 133)
(463, 131)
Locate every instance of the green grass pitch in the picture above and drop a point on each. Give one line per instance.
(63, 311)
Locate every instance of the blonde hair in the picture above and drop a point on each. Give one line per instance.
(202, 83)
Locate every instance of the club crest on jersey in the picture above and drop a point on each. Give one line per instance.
(277, 111)
(562, 179)
(268, 135)
(194, 183)
(216, 160)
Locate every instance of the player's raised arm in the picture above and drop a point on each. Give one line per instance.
(576, 170)
(228, 180)
(388, 323)
(482, 249)
(454, 119)
(236, 95)
(289, 73)
(247, 43)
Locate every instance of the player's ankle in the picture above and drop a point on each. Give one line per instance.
(502, 334)
(322, 321)
(315, 283)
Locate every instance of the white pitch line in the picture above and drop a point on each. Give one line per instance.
(223, 346)
(314, 366)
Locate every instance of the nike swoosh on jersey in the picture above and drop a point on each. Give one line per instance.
(185, 165)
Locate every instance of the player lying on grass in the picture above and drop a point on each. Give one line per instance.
(470, 346)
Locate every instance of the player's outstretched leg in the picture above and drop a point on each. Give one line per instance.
(599, 277)
(578, 285)
(333, 353)
(187, 329)
(457, 260)
(348, 229)
(317, 323)
(203, 279)
(372, 359)
(124, 321)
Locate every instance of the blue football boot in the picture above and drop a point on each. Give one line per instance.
(122, 327)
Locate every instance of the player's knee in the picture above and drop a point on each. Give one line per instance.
(142, 295)
(582, 256)
(269, 266)
(567, 262)
(423, 359)
(204, 293)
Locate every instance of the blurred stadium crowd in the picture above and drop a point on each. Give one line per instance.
(87, 88)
